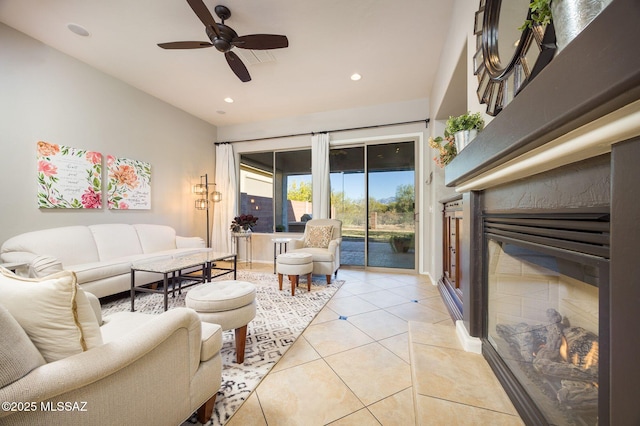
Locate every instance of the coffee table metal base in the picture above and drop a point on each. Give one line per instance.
(171, 270)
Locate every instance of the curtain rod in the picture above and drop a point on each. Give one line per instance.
(425, 121)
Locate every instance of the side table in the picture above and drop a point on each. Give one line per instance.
(248, 250)
(280, 242)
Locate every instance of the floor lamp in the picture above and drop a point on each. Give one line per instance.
(202, 189)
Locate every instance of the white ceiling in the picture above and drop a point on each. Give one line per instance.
(394, 44)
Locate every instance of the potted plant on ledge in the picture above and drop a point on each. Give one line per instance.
(402, 243)
(464, 128)
(446, 149)
(569, 17)
(458, 132)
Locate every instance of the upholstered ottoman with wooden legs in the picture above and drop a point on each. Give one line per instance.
(231, 304)
(294, 265)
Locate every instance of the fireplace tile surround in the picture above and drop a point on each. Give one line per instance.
(595, 77)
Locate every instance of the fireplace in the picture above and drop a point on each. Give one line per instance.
(544, 273)
(568, 144)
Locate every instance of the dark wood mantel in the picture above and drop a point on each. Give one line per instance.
(596, 74)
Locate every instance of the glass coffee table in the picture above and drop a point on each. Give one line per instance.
(171, 270)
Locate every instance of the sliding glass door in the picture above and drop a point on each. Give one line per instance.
(391, 229)
(373, 193)
(348, 202)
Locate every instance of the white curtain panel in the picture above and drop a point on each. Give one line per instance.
(224, 211)
(321, 186)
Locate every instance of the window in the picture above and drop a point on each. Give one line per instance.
(276, 187)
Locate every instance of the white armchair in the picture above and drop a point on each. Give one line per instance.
(321, 239)
(149, 369)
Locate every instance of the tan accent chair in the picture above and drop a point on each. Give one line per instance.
(326, 261)
(151, 369)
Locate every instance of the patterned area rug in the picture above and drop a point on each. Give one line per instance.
(280, 318)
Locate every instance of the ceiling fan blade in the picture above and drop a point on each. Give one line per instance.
(202, 12)
(261, 41)
(185, 45)
(237, 66)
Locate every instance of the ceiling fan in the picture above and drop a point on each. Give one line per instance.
(224, 38)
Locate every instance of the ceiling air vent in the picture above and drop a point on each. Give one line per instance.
(253, 57)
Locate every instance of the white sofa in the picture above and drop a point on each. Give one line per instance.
(61, 363)
(100, 255)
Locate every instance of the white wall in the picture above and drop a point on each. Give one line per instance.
(47, 95)
(343, 119)
(459, 45)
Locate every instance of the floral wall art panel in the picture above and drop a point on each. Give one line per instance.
(129, 184)
(68, 178)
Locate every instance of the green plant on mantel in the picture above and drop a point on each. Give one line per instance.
(446, 145)
(540, 14)
(466, 121)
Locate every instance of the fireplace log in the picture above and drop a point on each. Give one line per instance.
(578, 395)
(565, 370)
(553, 337)
(525, 339)
(580, 347)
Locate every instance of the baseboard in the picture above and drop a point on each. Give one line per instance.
(470, 344)
(433, 282)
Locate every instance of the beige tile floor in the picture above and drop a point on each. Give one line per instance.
(352, 365)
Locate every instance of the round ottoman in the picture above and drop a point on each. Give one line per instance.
(231, 304)
(294, 264)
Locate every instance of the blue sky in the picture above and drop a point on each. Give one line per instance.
(381, 184)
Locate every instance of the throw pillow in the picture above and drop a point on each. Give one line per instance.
(318, 236)
(18, 355)
(54, 312)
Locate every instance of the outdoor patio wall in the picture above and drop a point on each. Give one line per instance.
(49, 96)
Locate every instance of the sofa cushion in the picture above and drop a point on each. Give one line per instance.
(319, 254)
(117, 324)
(190, 242)
(115, 240)
(18, 355)
(53, 311)
(211, 340)
(318, 236)
(154, 238)
(69, 244)
(94, 271)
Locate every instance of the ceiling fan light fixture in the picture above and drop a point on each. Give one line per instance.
(79, 30)
(355, 76)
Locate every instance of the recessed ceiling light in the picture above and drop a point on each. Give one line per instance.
(356, 77)
(79, 30)
(228, 100)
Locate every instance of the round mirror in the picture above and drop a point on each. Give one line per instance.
(506, 57)
(512, 15)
